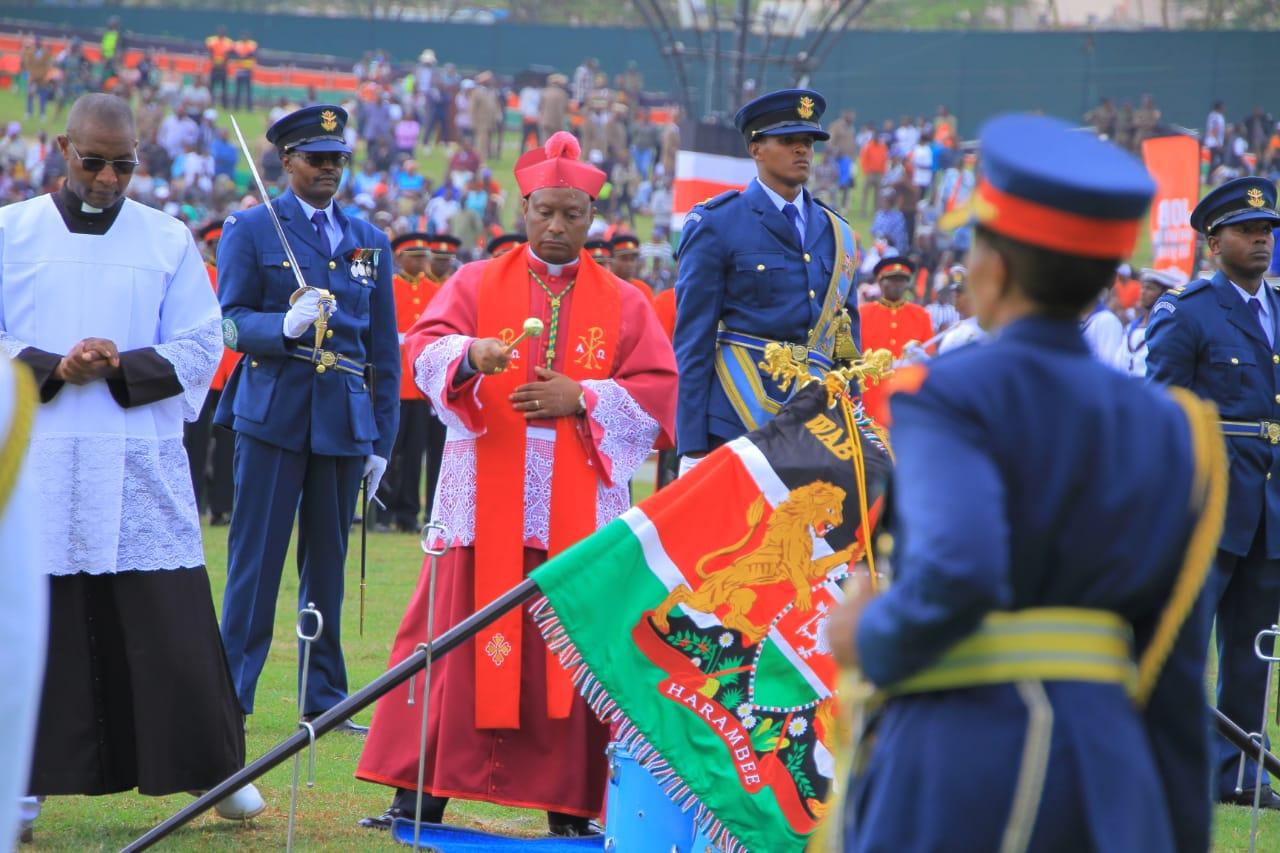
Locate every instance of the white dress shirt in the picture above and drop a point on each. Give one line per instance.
(331, 227)
(780, 202)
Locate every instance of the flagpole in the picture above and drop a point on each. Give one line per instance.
(1240, 739)
(356, 702)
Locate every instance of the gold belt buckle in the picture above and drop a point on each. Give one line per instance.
(799, 353)
(327, 358)
(1273, 432)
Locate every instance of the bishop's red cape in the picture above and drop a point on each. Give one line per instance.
(505, 725)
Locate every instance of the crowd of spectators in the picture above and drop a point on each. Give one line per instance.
(894, 177)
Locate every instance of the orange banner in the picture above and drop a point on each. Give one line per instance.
(1174, 162)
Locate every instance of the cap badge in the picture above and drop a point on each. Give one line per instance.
(329, 121)
(805, 110)
(1254, 197)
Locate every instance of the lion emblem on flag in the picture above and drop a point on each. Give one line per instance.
(785, 555)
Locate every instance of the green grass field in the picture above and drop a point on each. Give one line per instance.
(327, 813)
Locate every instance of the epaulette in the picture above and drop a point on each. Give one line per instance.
(717, 200)
(1194, 287)
(826, 206)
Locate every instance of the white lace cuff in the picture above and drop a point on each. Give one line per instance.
(11, 345)
(431, 375)
(623, 431)
(194, 355)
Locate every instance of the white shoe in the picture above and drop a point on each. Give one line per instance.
(241, 805)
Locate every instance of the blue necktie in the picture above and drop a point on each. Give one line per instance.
(319, 220)
(1256, 305)
(790, 211)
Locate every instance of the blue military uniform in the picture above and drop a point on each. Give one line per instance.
(1024, 608)
(306, 420)
(1206, 337)
(747, 277)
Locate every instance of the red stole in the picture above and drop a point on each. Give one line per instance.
(588, 344)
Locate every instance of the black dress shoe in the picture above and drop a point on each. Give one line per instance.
(384, 820)
(1269, 799)
(569, 826)
(345, 726)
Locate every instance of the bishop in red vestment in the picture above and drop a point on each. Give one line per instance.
(545, 437)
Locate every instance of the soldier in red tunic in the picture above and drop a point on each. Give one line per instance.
(210, 450)
(420, 261)
(891, 323)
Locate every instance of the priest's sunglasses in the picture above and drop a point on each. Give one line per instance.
(97, 164)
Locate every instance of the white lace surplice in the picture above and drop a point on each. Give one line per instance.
(114, 483)
(626, 435)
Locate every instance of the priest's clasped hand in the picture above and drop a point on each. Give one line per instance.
(555, 396)
(488, 355)
(303, 314)
(88, 360)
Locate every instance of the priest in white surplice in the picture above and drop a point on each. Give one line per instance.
(109, 304)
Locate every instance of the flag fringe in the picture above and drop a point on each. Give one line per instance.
(627, 736)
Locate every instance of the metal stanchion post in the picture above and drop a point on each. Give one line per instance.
(1274, 633)
(435, 550)
(307, 640)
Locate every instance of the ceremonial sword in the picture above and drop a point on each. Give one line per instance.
(327, 303)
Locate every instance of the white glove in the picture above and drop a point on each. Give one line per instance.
(688, 463)
(374, 467)
(302, 314)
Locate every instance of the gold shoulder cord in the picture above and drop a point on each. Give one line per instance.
(1209, 494)
(14, 449)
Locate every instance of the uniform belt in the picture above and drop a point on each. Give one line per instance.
(1041, 644)
(799, 352)
(1270, 430)
(325, 359)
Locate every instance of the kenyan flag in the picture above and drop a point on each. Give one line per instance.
(695, 621)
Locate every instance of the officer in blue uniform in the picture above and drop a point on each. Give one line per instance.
(1039, 664)
(312, 418)
(1219, 338)
(768, 263)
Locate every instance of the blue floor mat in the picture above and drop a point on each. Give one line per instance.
(443, 838)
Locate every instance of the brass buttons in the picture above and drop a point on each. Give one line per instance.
(893, 325)
(333, 265)
(812, 294)
(328, 333)
(253, 364)
(285, 265)
(1275, 359)
(320, 368)
(417, 301)
(1235, 361)
(759, 267)
(807, 258)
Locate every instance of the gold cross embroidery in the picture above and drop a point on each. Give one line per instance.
(497, 649)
